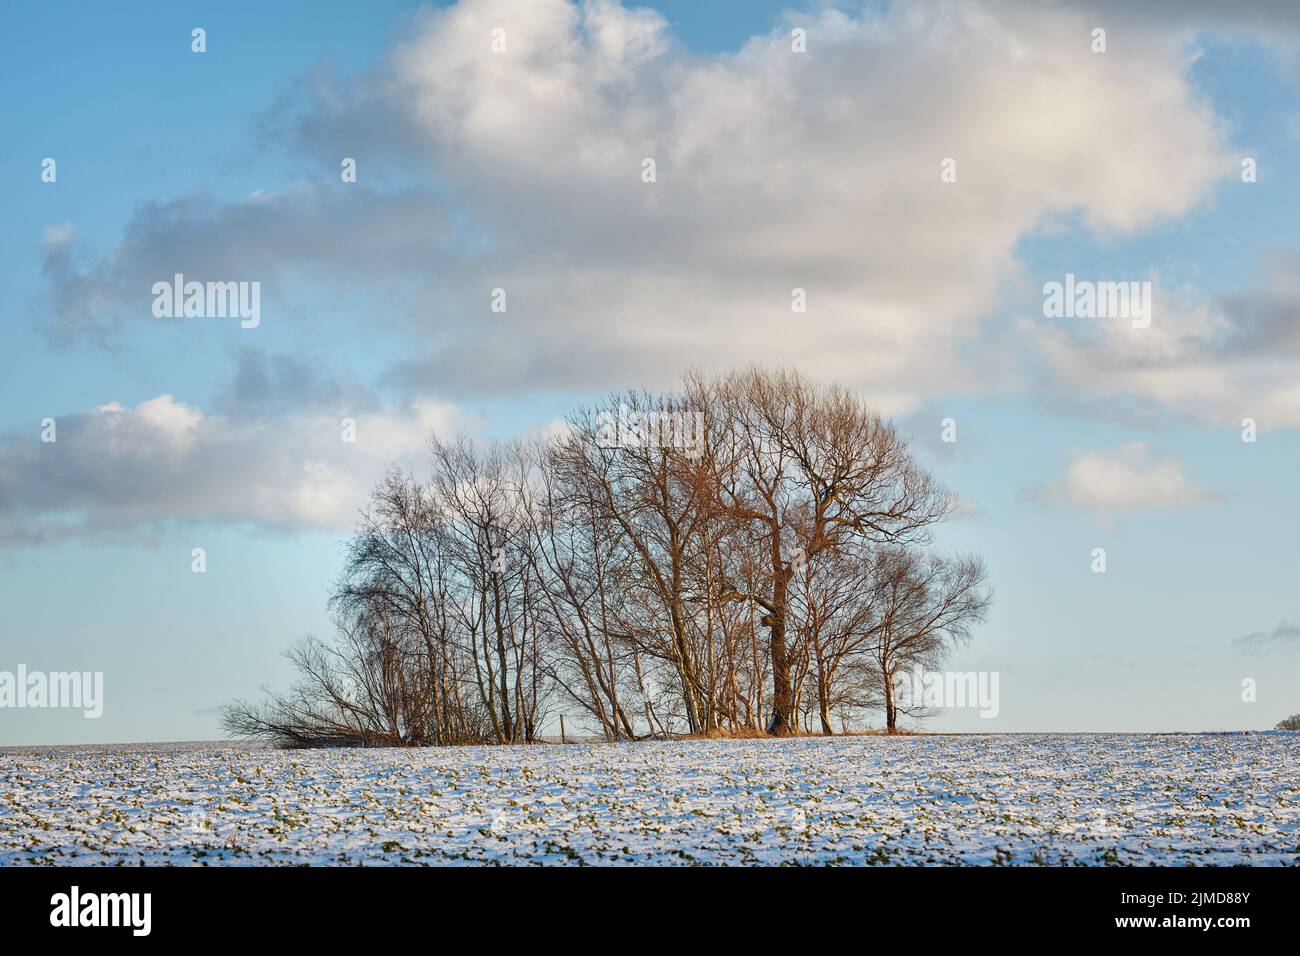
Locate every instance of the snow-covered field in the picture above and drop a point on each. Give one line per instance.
(865, 800)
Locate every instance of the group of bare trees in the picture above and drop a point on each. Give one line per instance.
(745, 554)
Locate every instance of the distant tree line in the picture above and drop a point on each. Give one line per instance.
(745, 554)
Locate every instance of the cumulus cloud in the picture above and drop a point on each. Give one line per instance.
(308, 233)
(1131, 478)
(116, 468)
(774, 171)
(1213, 361)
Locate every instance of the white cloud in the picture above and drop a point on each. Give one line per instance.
(1126, 479)
(161, 462)
(776, 170)
(779, 170)
(1213, 362)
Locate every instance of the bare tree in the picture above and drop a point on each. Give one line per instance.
(739, 555)
(925, 607)
(582, 572)
(642, 481)
(807, 469)
(834, 605)
(359, 691)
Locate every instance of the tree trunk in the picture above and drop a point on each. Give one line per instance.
(782, 703)
(891, 712)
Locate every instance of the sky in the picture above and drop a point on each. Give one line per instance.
(921, 169)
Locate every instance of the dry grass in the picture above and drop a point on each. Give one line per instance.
(721, 734)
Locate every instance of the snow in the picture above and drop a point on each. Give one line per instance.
(980, 799)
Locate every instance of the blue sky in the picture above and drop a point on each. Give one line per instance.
(819, 173)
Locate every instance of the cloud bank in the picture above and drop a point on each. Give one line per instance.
(521, 168)
(775, 170)
(115, 469)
